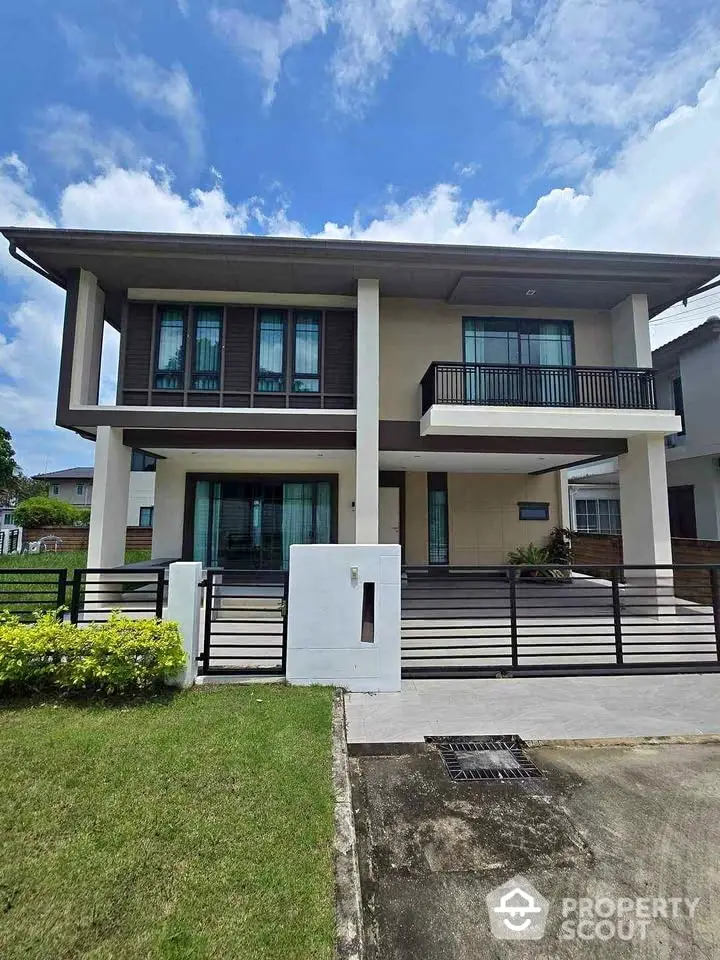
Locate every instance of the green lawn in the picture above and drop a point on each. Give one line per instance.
(27, 590)
(195, 828)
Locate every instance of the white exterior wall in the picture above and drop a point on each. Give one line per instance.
(698, 369)
(108, 514)
(325, 616)
(87, 348)
(630, 328)
(644, 503)
(171, 473)
(142, 494)
(368, 412)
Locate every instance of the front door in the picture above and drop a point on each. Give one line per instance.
(681, 504)
(389, 510)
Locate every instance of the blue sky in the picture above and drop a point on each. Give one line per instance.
(564, 123)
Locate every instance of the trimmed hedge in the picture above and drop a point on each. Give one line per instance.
(119, 656)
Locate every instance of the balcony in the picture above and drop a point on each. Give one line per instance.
(513, 385)
(512, 399)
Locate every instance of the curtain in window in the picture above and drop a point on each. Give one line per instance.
(171, 350)
(323, 513)
(201, 521)
(271, 352)
(206, 366)
(307, 353)
(297, 517)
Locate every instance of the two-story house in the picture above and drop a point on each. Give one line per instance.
(75, 485)
(299, 391)
(687, 382)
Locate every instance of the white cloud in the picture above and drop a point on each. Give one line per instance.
(264, 43)
(184, 7)
(606, 62)
(70, 139)
(166, 91)
(661, 193)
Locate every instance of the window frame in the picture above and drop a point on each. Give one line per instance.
(79, 489)
(612, 514)
(295, 374)
(147, 461)
(156, 371)
(519, 322)
(534, 505)
(55, 489)
(437, 482)
(193, 350)
(282, 375)
(152, 517)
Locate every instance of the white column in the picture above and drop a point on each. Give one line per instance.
(630, 327)
(645, 520)
(87, 348)
(169, 510)
(108, 512)
(183, 607)
(368, 411)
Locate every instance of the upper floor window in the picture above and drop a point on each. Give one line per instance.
(55, 489)
(306, 355)
(541, 343)
(80, 489)
(679, 403)
(169, 370)
(142, 462)
(272, 357)
(7, 519)
(206, 351)
(271, 352)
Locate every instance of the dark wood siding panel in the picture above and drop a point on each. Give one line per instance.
(238, 352)
(138, 347)
(339, 358)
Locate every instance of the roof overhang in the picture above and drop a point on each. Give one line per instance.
(457, 274)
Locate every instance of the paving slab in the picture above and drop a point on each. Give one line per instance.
(636, 824)
(539, 708)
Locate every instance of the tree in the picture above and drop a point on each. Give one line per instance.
(8, 466)
(44, 512)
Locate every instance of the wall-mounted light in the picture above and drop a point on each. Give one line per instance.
(530, 293)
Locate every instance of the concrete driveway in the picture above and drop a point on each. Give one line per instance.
(539, 708)
(635, 826)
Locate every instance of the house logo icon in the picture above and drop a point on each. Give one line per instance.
(517, 911)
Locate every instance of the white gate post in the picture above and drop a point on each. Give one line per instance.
(184, 608)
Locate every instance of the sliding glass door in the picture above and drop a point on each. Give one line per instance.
(505, 346)
(251, 523)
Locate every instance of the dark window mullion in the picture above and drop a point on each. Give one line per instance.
(189, 350)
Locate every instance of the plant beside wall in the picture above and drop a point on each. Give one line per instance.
(557, 553)
(49, 512)
(118, 657)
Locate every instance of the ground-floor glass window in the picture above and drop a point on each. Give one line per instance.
(252, 523)
(597, 516)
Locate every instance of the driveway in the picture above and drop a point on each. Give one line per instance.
(632, 826)
(539, 708)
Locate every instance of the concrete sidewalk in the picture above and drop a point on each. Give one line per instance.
(539, 708)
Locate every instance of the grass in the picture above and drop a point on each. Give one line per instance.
(195, 827)
(23, 593)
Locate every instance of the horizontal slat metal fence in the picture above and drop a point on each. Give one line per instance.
(486, 384)
(25, 591)
(97, 592)
(245, 618)
(484, 621)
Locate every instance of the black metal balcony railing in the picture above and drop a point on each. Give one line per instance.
(513, 385)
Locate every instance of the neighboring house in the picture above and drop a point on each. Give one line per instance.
(594, 495)
(306, 391)
(10, 533)
(688, 380)
(75, 485)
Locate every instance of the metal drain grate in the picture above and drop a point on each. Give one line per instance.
(485, 758)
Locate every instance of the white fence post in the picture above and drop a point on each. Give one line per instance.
(184, 608)
(343, 624)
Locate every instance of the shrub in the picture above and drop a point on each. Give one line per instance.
(82, 517)
(119, 656)
(559, 546)
(44, 512)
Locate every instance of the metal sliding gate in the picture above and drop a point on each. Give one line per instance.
(245, 622)
(525, 621)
